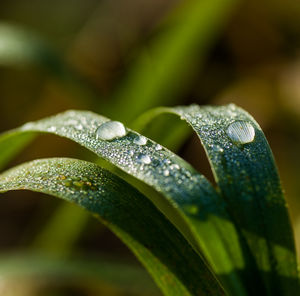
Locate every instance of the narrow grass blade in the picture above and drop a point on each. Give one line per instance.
(188, 199)
(245, 172)
(11, 146)
(172, 135)
(176, 268)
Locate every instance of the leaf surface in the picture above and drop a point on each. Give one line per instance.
(187, 199)
(248, 180)
(175, 266)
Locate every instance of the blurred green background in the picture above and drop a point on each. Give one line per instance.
(120, 58)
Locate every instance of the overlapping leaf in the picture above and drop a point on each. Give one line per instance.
(189, 201)
(175, 266)
(248, 180)
(242, 257)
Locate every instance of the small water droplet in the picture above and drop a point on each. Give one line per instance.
(140, 140)
(144, 158)
(175, 167)
(52, 129)
(241, 132)
(111, 130)
(166, 173)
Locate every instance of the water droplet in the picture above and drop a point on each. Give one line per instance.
(110, 130)
(140, 140)
(144, 158)
(241, 132)
(166, 173)
(175, 166)
(52, 129)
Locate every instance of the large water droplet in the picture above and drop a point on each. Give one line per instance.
(241, 132)
(144, 158)
(111, 130)
(140, 140)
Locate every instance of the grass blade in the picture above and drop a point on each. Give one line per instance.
(189, 201)
(248, 180)
(176, 268)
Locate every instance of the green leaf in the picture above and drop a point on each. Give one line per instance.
(188, 199)
(93, 271)
(10, 146)
(248, 180)
(176, 268)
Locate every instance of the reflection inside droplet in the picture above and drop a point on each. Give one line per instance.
(144, 158)
(241, 132)
(110, 130)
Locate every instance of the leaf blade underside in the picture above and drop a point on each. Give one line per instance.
(175, 266)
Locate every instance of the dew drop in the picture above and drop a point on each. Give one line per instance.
(241, 132)
(144, 158)
(52, 129)
(166, 173)
(140, 140)
(111, 130)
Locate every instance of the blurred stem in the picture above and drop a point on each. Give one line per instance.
(164, 70)
(63, 230)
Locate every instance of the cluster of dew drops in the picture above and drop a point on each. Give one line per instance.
(239, 131)
(111, 130)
